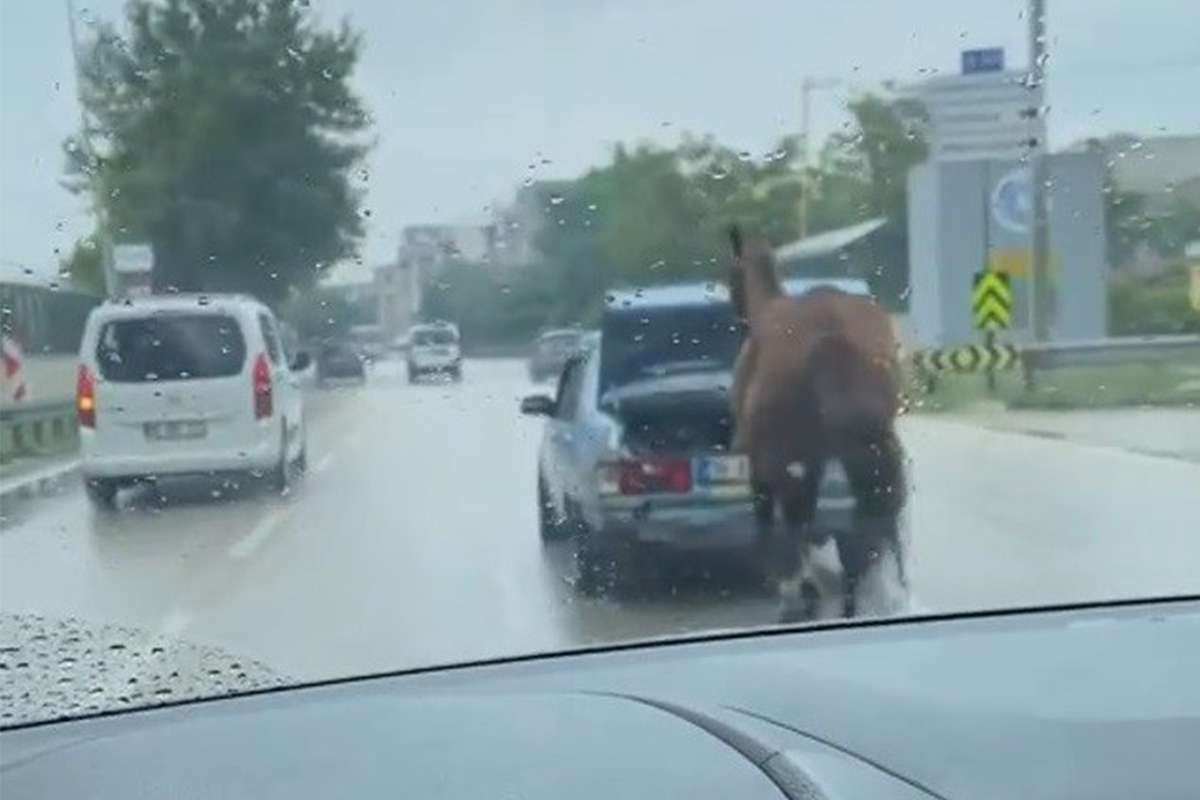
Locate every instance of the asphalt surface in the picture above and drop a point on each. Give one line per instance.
(413, 540)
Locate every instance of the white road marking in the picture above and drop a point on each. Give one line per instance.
(255, 539)
(175, 622)
(325, 463)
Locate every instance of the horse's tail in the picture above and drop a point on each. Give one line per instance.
(856, 398)
(857, 401)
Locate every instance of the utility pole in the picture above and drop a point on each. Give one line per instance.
(1040, 256)
(89, 153)
(807, 85)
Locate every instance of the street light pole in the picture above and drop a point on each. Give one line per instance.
(1040, 245)
(807, 85)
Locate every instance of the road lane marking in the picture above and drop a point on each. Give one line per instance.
(248, 544)
(325, 463)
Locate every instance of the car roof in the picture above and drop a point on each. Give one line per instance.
(433, 326)
(202, 303)
(560, 332)
(702, 293)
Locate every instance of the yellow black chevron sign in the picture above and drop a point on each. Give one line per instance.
(968, 358)
(991, 301)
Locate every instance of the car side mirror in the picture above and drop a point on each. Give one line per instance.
(301, 361)
(538, 405)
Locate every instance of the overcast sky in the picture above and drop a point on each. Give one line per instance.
(467, 94)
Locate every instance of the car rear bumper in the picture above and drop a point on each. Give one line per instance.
(727, 525)
(435, 363)
(95, 462)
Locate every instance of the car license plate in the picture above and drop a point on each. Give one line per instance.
(712, 470)
(176, 429)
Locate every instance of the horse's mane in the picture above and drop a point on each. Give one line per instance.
(756, 258)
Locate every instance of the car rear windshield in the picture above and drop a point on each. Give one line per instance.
(434, 337)
(559, 343)
(168, 348)
(644, 343)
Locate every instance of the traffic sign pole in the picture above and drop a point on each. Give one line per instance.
(1041, 224)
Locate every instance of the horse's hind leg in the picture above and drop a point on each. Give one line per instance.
(811, 573)
(872, 554)
(873, 564)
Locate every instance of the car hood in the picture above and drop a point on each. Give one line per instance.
(1084, 703)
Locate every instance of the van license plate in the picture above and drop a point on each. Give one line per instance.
(176, 429)
(722, 469)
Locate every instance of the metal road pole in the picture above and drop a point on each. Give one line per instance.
(102, 228)
(1041, 223)
(806, 88)
(805, 102)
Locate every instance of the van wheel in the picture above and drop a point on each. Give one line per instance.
(552, 528)
(300, 465)
(281, 474)
(102, 492)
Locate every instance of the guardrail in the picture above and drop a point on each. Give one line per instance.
(1100, 352)
(38, 429)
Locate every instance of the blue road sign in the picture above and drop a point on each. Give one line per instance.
(987, 59)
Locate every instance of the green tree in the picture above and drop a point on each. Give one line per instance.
(864, 170)
(226, 132)
(84, 265)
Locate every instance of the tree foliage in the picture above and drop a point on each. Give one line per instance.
(654, 215)
(84, 266)
(225, 133)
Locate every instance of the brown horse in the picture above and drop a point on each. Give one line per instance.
(817, 381)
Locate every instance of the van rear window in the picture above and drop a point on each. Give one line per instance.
(170, 348)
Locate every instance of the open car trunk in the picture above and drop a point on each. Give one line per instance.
(676, 414)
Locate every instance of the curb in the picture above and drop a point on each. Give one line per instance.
(37, 482)
(1059, 436)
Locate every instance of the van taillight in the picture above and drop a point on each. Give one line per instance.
(263, 400)
(85, 397)
(645, 476)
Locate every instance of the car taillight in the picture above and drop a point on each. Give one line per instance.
(645, 476)
(85, 397)
(263, 400)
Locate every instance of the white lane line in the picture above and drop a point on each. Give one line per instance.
(325, 463)
(255, 539)
(174, 623)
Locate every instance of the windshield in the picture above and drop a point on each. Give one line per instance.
(434, 337)
(559, 343)
(640, 344)
(342, 337)
(170, 348)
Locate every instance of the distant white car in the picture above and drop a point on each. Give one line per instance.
(434, 348)
(186, 384)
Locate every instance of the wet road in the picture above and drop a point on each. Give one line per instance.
(413, 540)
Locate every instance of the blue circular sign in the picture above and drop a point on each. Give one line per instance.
(1012, 201)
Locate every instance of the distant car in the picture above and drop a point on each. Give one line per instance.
(340, 360)
(171, 385)
(551, 351)
(635, 453)
(434, 348)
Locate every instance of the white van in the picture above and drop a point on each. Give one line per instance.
(186, 384)
(434, 347)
